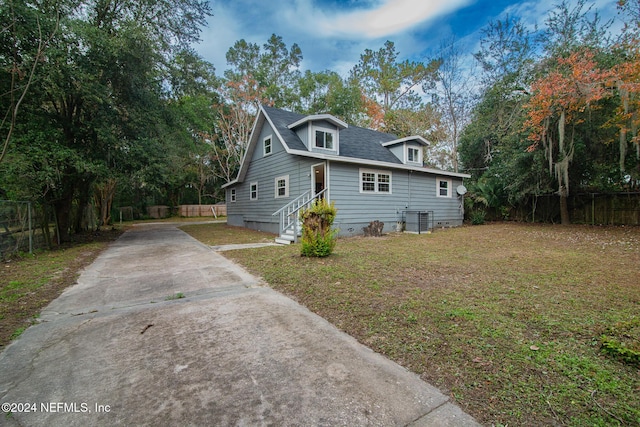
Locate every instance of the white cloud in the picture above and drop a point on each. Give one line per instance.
(380, 20)
(330, 38)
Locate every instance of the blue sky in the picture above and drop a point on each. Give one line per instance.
(333, 33)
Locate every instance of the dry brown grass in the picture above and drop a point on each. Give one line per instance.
(223, 234)
(30, 282)
(506, 318)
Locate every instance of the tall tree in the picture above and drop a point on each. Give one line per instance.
(327, 92)
(101, 96)
(493, 144)
(234, 117)
(557, 104)
(506, 57)
(391, 85)
(274, 68)
(627, 82)
(453, 95)
(570, 27)
(267, 75)
(25, 33)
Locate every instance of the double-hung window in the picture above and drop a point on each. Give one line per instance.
(266, 145)
(372, 181)
(443, 187)
(232, 195)
(368, 182)
(282, 186)
(384, 182)
(253, 191)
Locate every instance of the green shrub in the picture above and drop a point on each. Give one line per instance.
(622, 341)
(318, 236)
(477, 217)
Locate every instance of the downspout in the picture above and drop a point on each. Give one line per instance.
(409, 189)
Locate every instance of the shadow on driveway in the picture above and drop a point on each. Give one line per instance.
(162, 330)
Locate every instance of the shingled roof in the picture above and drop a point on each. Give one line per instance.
(355, 142)
(357, 145)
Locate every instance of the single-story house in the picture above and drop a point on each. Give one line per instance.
(291, 159)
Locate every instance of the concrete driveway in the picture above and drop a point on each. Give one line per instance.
(120, 348)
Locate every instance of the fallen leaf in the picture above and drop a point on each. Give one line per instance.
(534, 348)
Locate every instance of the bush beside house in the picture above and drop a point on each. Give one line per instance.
(318, 236)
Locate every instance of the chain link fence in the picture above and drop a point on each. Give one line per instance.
(17, 230)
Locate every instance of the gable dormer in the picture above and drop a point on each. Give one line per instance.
(320, 132)
(409, 150)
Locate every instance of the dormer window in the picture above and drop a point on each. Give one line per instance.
(413, 155)
(319, 132)
(408, 150)
(324, 138)
(266, 145)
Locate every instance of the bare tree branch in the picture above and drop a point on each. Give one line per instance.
(12, 111)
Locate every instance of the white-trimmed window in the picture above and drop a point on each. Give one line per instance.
(282, 186)
(253, 191)
(267, 147)
(325, 138)
(232, 195)
(443, 187)
(373, 181)
(413, 155)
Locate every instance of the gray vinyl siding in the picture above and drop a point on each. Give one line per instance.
(303, 134)
(410, 190)
(398, 151)
(257, 214)
(355, 209)
(447, 211)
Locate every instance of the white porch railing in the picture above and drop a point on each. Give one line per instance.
(289, 213)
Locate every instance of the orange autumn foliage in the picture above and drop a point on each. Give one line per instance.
(626, 78)
(375, 112)
(576, 84)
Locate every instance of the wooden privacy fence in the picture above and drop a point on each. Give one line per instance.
(162, 211)
(202, 210)
(584, 208)
(606, 209)
(158, 211)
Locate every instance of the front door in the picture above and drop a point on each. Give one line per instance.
(318, 178)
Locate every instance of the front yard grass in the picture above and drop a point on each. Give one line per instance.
(508, 319)
(217, 234)
(28, 283)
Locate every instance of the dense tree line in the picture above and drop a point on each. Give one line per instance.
(558, 110)
(92, 93)
(104, 103)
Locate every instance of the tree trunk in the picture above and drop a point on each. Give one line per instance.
(103, 197)
(623, 150)
(564, 207)
(63, 205)
(63, 216)
(84, 196)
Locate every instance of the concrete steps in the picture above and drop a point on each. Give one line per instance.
(287, 237)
